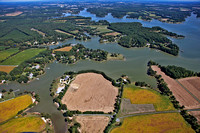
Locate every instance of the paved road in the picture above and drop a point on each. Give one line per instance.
(155, 112)
(108, 115)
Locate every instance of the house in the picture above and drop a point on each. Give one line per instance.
(67, 77)
(1, 95)
(36, 67)
(30, 75)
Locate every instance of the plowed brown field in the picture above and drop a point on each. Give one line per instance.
(92, 124)
(178, 91)
(90, 92)
(192, 84)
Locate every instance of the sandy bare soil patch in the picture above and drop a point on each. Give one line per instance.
(39, 32)
(192, 84)
(7, 68)
(196, 114)
(112, 34)
(65, 49)
(90, 92)
(14, 13)
(92, 124)
(178, 91)
(128, 108)
(59, 31)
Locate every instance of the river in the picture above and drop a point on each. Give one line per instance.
(135, 65)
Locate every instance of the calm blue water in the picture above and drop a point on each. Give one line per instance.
(135, 65)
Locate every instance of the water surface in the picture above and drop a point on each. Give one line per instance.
(135, 65)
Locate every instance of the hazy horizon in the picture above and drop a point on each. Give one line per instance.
(101, 0)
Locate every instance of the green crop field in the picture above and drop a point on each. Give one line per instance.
(139, 95)
(155, 123)
(22, 56)
(3, 47)
(6, 53)
(23, 124)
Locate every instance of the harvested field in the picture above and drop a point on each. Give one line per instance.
(14, 13)
(23, 124)
(7, 69)
(139, 95)
(112, 34)
(10, 108)
(196, 114)
(128, 108)
(156, 123)
(92, 124)
(39, 32)
(74, 31)
(59, 31)
(65, 49)
(90, 92)
(178, 91)
(192, 84)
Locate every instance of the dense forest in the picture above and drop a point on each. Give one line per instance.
(135, 35)
(165, 12)
(177, 72)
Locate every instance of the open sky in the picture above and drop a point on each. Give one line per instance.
(91, 0)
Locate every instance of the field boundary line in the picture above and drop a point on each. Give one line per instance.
(148, 113)
(187, 91)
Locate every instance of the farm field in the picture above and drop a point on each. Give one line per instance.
(3, 47)
(23, 124)
(59, 31)
(156, 123)
(39, 32)
(14, 13)
(92, 124)
(90, 92)
(196, 114)
(10, 108)
(6, 53)
(22, 56)
(192, 84)
(128, 108)
(139, 95)
(65, 49)
(178, 91)
(101, 28)
(112, 34)
(7, 69)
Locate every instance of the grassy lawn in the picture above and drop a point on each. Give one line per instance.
(23, 124)
(8, 95)
(101, 28)
(156, 123)
(10, 108)
(22, 56)
(139, 95)
(3, 47)
(6, 53)
(15, 34)
(119, 57)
